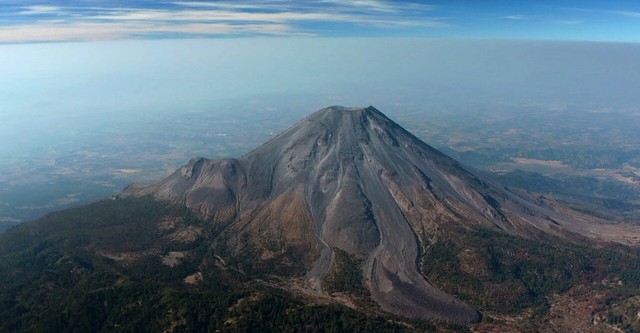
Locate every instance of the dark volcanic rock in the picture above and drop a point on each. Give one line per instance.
(352, 179)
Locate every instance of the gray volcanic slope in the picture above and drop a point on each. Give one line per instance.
(352, 179)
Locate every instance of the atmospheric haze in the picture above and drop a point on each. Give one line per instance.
(60, 98)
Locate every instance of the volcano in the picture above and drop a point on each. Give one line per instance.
(352, 180)
(344, 222)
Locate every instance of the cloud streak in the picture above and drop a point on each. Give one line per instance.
(387, 7)
(85, 31)
(515, 17)
(40, 9)
(33, 23)
(85, 20)
(626, 13)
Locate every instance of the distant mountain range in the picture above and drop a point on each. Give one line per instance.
(345, 208)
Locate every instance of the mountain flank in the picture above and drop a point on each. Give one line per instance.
(354, 180)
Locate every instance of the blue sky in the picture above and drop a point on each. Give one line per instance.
(89, 20)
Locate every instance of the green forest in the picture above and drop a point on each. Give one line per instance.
(63, 273)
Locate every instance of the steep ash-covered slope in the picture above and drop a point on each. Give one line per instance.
(352, 179)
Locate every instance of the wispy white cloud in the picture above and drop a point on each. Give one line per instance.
(269, 17)
(515, 17)
(568, 22)
(115, 19)
(94, 31)
(377, 6)
(373, 5)
(217, 15)
(173, 17)
(232, 5)
(40, 9)
(628, 13)
(380, 6)
(625, 13)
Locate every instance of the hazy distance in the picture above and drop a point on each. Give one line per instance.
(109, 111)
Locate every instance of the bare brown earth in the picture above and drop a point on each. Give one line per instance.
(352, 179)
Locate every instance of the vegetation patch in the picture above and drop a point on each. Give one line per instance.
(521, 275)
(345, 274)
